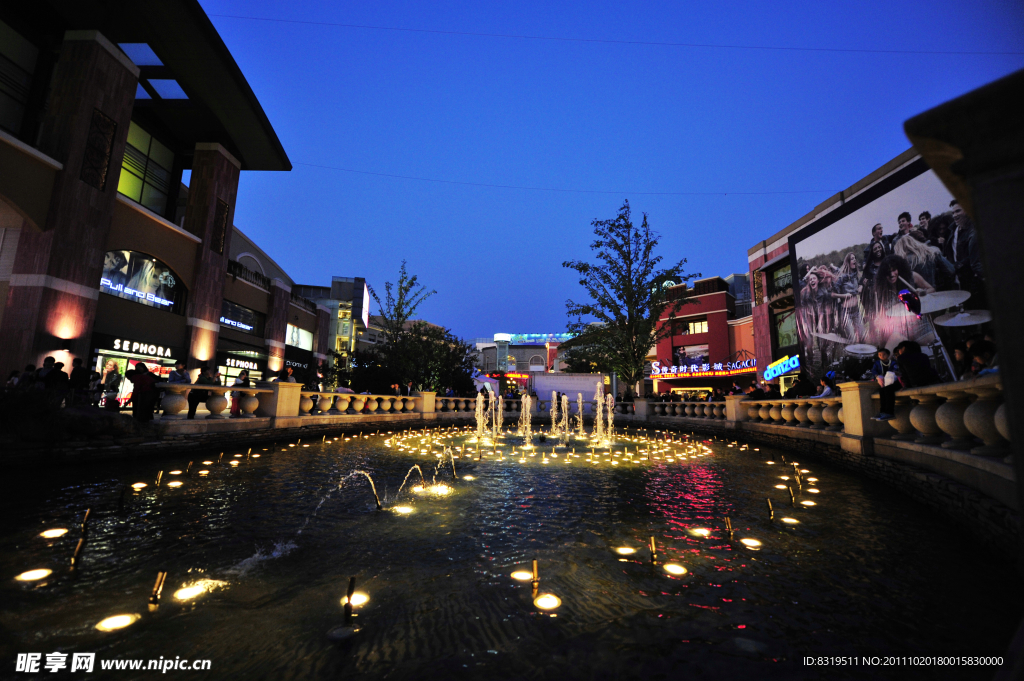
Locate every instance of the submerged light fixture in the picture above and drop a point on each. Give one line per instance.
(117, 622)
(34, 575)
(54, 533)
(547, 601)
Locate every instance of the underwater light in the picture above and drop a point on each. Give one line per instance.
(547, 601)
(175, 483)
(675, 569)
(189, 592)
(701, 531)
(139, 485)
(440, 490)
(238, 456)
(173, 472)
(804, 470)
(233, 463)
(204, 472)
(812, 490)
(522, 575)
(207, 463)
(117, 622)
(255, 456)
(403, 510)
(468, 477)
(358, 598)
(812, 480)
(780, 487)
(34, 575)
(807, 503)
(54, 533)
(752, 543)
(625, 550)
(790, 521)
(770, 462)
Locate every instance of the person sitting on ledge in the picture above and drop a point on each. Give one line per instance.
(754, 393)
(884, 373)
(285, 376)
(984, 360)
(828, 386)
(802, 387)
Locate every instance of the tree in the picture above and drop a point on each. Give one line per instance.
(620, 323)
(586, 359)
(400, 303)
(442, 360)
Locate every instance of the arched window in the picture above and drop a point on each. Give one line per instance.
(251, 262)
(511, 363)
(143, 279)
(537, 363)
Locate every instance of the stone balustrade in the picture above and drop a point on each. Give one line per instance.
(693, 410)
(825, 413)
(334, 404)
(175, 401)
(965, 415)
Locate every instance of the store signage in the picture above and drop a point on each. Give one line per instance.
(745, 366)
(135, 347)
(249, 364)
(782, 366)
(518, 375)
(238, 325)
(141, 278)
(125, 292)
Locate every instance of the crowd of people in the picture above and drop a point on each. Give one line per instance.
(857, 299)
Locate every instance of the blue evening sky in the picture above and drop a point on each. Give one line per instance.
(598, 116)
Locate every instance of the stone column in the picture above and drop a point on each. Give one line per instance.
(209, 215)
(427, 404)
(640, 408)
(54, 285)
(276, 328)
(734, 408)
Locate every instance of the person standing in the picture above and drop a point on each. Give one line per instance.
(111, 383)
(236, 395)
(285, 376)
(78, 383)
(407, 391)
(144, 392)
(196, 396)
(178, 374)
(963, 250)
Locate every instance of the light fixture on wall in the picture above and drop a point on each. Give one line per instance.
(66, 344)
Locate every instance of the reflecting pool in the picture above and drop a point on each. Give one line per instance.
(259, 554)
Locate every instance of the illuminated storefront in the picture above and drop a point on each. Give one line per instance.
(122, 354)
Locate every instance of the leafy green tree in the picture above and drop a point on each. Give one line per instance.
(442, 360)
(620, 321)
(586, 359)
(401, 300)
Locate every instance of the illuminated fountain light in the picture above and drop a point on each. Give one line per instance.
(34, 575)
(468, 477)
(780, 487)
(402, 510)
(117, 622)
(238, 456)
(522, 575)
(790, 521)
(750, 543)
(812, 480)
(173, 472)
(812, 490)
(54, 533)
(701, 531)
(190, 591)
(207, 463)
(547, 601)
(804, 470)
(625, 550)
(808, 503)
(139, 485)
(175, 483)
(675, 569)
(770, 463)
(255, 456)
(783, 477)
(233, 463)
(358, 598)
(204, 472)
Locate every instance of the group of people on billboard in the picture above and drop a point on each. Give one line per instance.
(854, 299)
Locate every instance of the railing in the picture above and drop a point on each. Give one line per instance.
(237, 269)
(175, 400)
(335, 404)
(693, 410)
(825, 413)
(304, 302)
(965, 415)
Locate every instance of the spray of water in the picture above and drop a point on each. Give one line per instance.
(554, 414)
(599, 413)
(579, 416)
(373, 487)
(525, 430)
(415, 467)
(610, 429)
(564, 430)
(480, 417)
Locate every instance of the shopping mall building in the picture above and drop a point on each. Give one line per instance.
(104, 253)
(711, 342)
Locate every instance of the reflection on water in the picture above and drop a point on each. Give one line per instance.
(263, 551)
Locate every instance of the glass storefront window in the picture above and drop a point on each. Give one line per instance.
(299, 338)
(240, 318)
(785, 329)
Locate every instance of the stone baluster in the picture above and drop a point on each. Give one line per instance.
(753, 411)
(325, 403)
(901, 420)
(174, 401)
(720, 410)
(688, 409)
(1003, 426)
(371, 403)
(248, 403)
(358, 403)
(765, 412)
(831, 414)
(980, 419)
(384, 403)
(814, 414)
(341, 403)
(775, 412)
(305, 405)
(789, 413)
(801, 412)
(950, 417)
(922, 417)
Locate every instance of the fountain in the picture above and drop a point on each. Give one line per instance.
(554, 414)
(582, 433)
(598, 434)
(497, 417)
(525, 429)
(373, 487)
(480, 418)
(609, 426)
(564, 430)
(416, 467)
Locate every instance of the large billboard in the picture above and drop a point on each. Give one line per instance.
(142, 278)
(901, 234)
